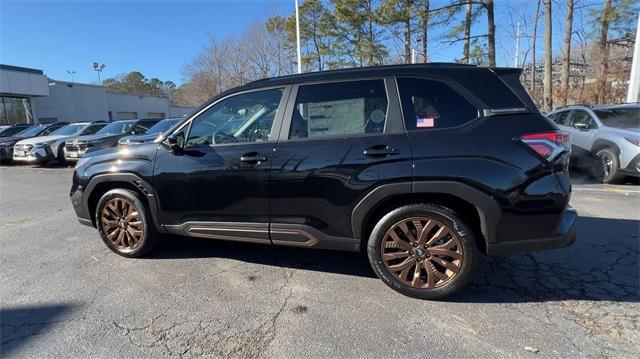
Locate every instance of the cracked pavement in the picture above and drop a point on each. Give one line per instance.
(63, 294)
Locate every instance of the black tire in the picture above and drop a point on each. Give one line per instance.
(611, 166)
(442, 215)
(60, 157)
(130, 248)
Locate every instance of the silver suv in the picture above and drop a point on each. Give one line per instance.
(610, 132)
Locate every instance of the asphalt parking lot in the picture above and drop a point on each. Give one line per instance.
(63, 294)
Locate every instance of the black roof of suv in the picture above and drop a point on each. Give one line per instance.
(423, 167)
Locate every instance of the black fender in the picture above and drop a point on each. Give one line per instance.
(488, 209)
(137, 182)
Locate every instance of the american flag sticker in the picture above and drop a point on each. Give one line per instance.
(424, 122)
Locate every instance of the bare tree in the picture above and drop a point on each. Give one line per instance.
(491, 33)
(548, 52)
(603, 49)
(467, 33)
(566, 54)
(533, 49)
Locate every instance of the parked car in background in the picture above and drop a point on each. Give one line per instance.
(153, 133)
(42, 149)
(7, 143)
(423, 167)
(12, 130)
(107, 137)
(608, 133)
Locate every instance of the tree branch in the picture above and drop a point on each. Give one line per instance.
(462, 39)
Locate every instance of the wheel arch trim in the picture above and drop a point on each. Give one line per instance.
(487, 208)
(142, 186)
(602, 143)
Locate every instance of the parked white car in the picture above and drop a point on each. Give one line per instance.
(43, 149)
(610, 133)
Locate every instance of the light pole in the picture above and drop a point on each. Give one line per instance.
(298, 39)
(72, 73)
(98, 68)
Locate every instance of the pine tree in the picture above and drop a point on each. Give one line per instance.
(358, 37)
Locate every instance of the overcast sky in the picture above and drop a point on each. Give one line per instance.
(158, 37)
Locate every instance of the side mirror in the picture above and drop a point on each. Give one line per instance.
(174, 144)
(581, 126)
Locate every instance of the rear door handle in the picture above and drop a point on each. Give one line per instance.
(380, 151)
(253, 157)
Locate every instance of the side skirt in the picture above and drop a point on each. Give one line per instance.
(281, 234)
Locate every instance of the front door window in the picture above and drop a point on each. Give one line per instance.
(243, 118)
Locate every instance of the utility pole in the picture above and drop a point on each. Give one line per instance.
(413, 55)
(633, 94)
(517, 62)
(298, 39)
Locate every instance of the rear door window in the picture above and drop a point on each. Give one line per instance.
(339, 109)
(428, 104)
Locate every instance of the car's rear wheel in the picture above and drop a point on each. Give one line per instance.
(424, 251)
(125, 224)
(610, 166)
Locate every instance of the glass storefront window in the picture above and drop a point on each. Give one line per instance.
(15, 110)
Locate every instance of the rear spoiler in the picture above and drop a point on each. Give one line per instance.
(511, 77)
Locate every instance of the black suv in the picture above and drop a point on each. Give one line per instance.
(420, 166)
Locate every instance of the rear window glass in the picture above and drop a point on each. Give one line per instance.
(488, 88)
(428, 104)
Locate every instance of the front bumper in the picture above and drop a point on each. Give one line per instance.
(77, 200)
(565, 237)
(633, 169)
(75, 153)
(37, 155)
(6, 153)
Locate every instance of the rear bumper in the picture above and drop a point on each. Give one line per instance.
(566, 237)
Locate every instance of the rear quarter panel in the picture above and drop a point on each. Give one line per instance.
(485, 154)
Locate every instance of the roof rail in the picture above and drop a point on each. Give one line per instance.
(365, 68)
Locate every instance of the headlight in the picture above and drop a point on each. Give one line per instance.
(635, 141)
(43, 144)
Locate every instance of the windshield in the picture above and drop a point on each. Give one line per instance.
(116, 128)
(31, 131)
(11, 131)
(91, 129)
(68, 130)
(163, 126)
(622, 117)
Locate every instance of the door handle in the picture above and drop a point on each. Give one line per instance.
(253, 157)
(380, 151)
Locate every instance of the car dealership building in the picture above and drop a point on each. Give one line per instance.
(28, 96)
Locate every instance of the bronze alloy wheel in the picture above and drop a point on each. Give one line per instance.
(422, 252)
(122, 224)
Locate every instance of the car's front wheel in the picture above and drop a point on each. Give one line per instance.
(424, 251)
(124, 223)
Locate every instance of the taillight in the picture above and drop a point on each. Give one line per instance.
(548, 145)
